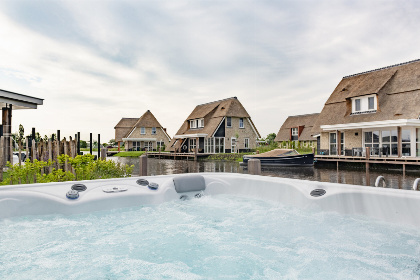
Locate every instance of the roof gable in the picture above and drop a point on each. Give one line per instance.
(147, 120)
(126, 122)
(307, 121)
(221, 108)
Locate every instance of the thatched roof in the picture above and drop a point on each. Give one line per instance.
(397, 88)
(126, 122)
(307, 121)
(147, 120)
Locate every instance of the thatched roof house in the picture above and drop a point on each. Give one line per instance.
(216, 127)
(379, 109)
(144, 133)
(298, 128)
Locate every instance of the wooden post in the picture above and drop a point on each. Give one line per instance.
(143, 165)
(20, 154)
(196, 148)
(119, 142)
(27, 147)
(103, 154)
(254, 167)
(1, 157)
(11, 150)
(50, 155)
(33, 150)
(57, 152)
(367, 158)
(65, 152)
(403, 170)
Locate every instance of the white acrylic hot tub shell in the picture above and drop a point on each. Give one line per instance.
(390, 205)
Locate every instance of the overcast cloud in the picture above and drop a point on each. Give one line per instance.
(95, 62)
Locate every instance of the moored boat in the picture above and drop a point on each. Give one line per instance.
(282, 157)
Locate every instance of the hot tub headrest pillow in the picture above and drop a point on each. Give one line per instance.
(189, 183)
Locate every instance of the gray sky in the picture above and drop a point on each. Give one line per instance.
(95, 62)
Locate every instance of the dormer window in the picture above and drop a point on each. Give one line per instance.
(364, 104)
(193, 123)
(294, 131)
(197, 123)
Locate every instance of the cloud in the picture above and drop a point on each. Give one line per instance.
(96, 62)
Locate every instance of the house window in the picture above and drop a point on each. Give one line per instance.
(406, 142)
(136, 146)
(142, 130)
(153, 130)
(193, 144)
(333, 143)
(364, 105)
(219, 145)
(228, 121)
(418, 142)
(209, 145)
(371, 103)
(201, 122)
(246, 143)
(372, 142)
(357, 105)
(148, 146)
(233, 145)
(389, 142)
(294, 131)
(193, 124)
(241, 122)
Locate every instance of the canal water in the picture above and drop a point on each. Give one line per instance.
(393, 178)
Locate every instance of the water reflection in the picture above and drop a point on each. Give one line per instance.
(394, 179)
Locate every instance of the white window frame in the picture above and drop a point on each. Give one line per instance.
(201, 122)
(357, 103)
(153, 130)
(142, 130)
(232, 144)
(246, 143)
(364, 104)
(371, 98)
(193, 123)
(295, 131)
(241, 123)
(192, 144)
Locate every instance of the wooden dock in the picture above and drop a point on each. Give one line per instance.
(177, 156)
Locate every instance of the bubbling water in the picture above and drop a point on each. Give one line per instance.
(213, 237)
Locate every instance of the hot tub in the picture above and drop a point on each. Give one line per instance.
(208, 226)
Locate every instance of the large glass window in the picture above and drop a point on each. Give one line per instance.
(193, 144)
(148, 146)
(219, 145)
(333, 143)
(418, 142)
(372, 141)
(209, 145)
(136, 146)
(406, 142)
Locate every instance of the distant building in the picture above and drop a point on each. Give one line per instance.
(298, 128)
(222, 126)
(379, 109)
(144, 133)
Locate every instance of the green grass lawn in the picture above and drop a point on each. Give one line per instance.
(129, 154)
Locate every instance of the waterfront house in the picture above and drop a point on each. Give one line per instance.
(379, 109)
(222, 126)
(298, 128)
(144, 133)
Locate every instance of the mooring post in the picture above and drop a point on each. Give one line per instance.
(143, 165)
(50, 155)
(103, 154)
(27, 147)
(11, 150)
(65, 153)
(254, 167)
(99, 146)
(33, 150)
(367, 157)
(1, 157)
(78, 143)
(91, 144)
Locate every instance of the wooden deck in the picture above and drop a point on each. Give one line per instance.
(181, 156)
(372, 159)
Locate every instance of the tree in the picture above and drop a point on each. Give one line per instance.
(83, 144)
(112, 142)
(270, 138)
